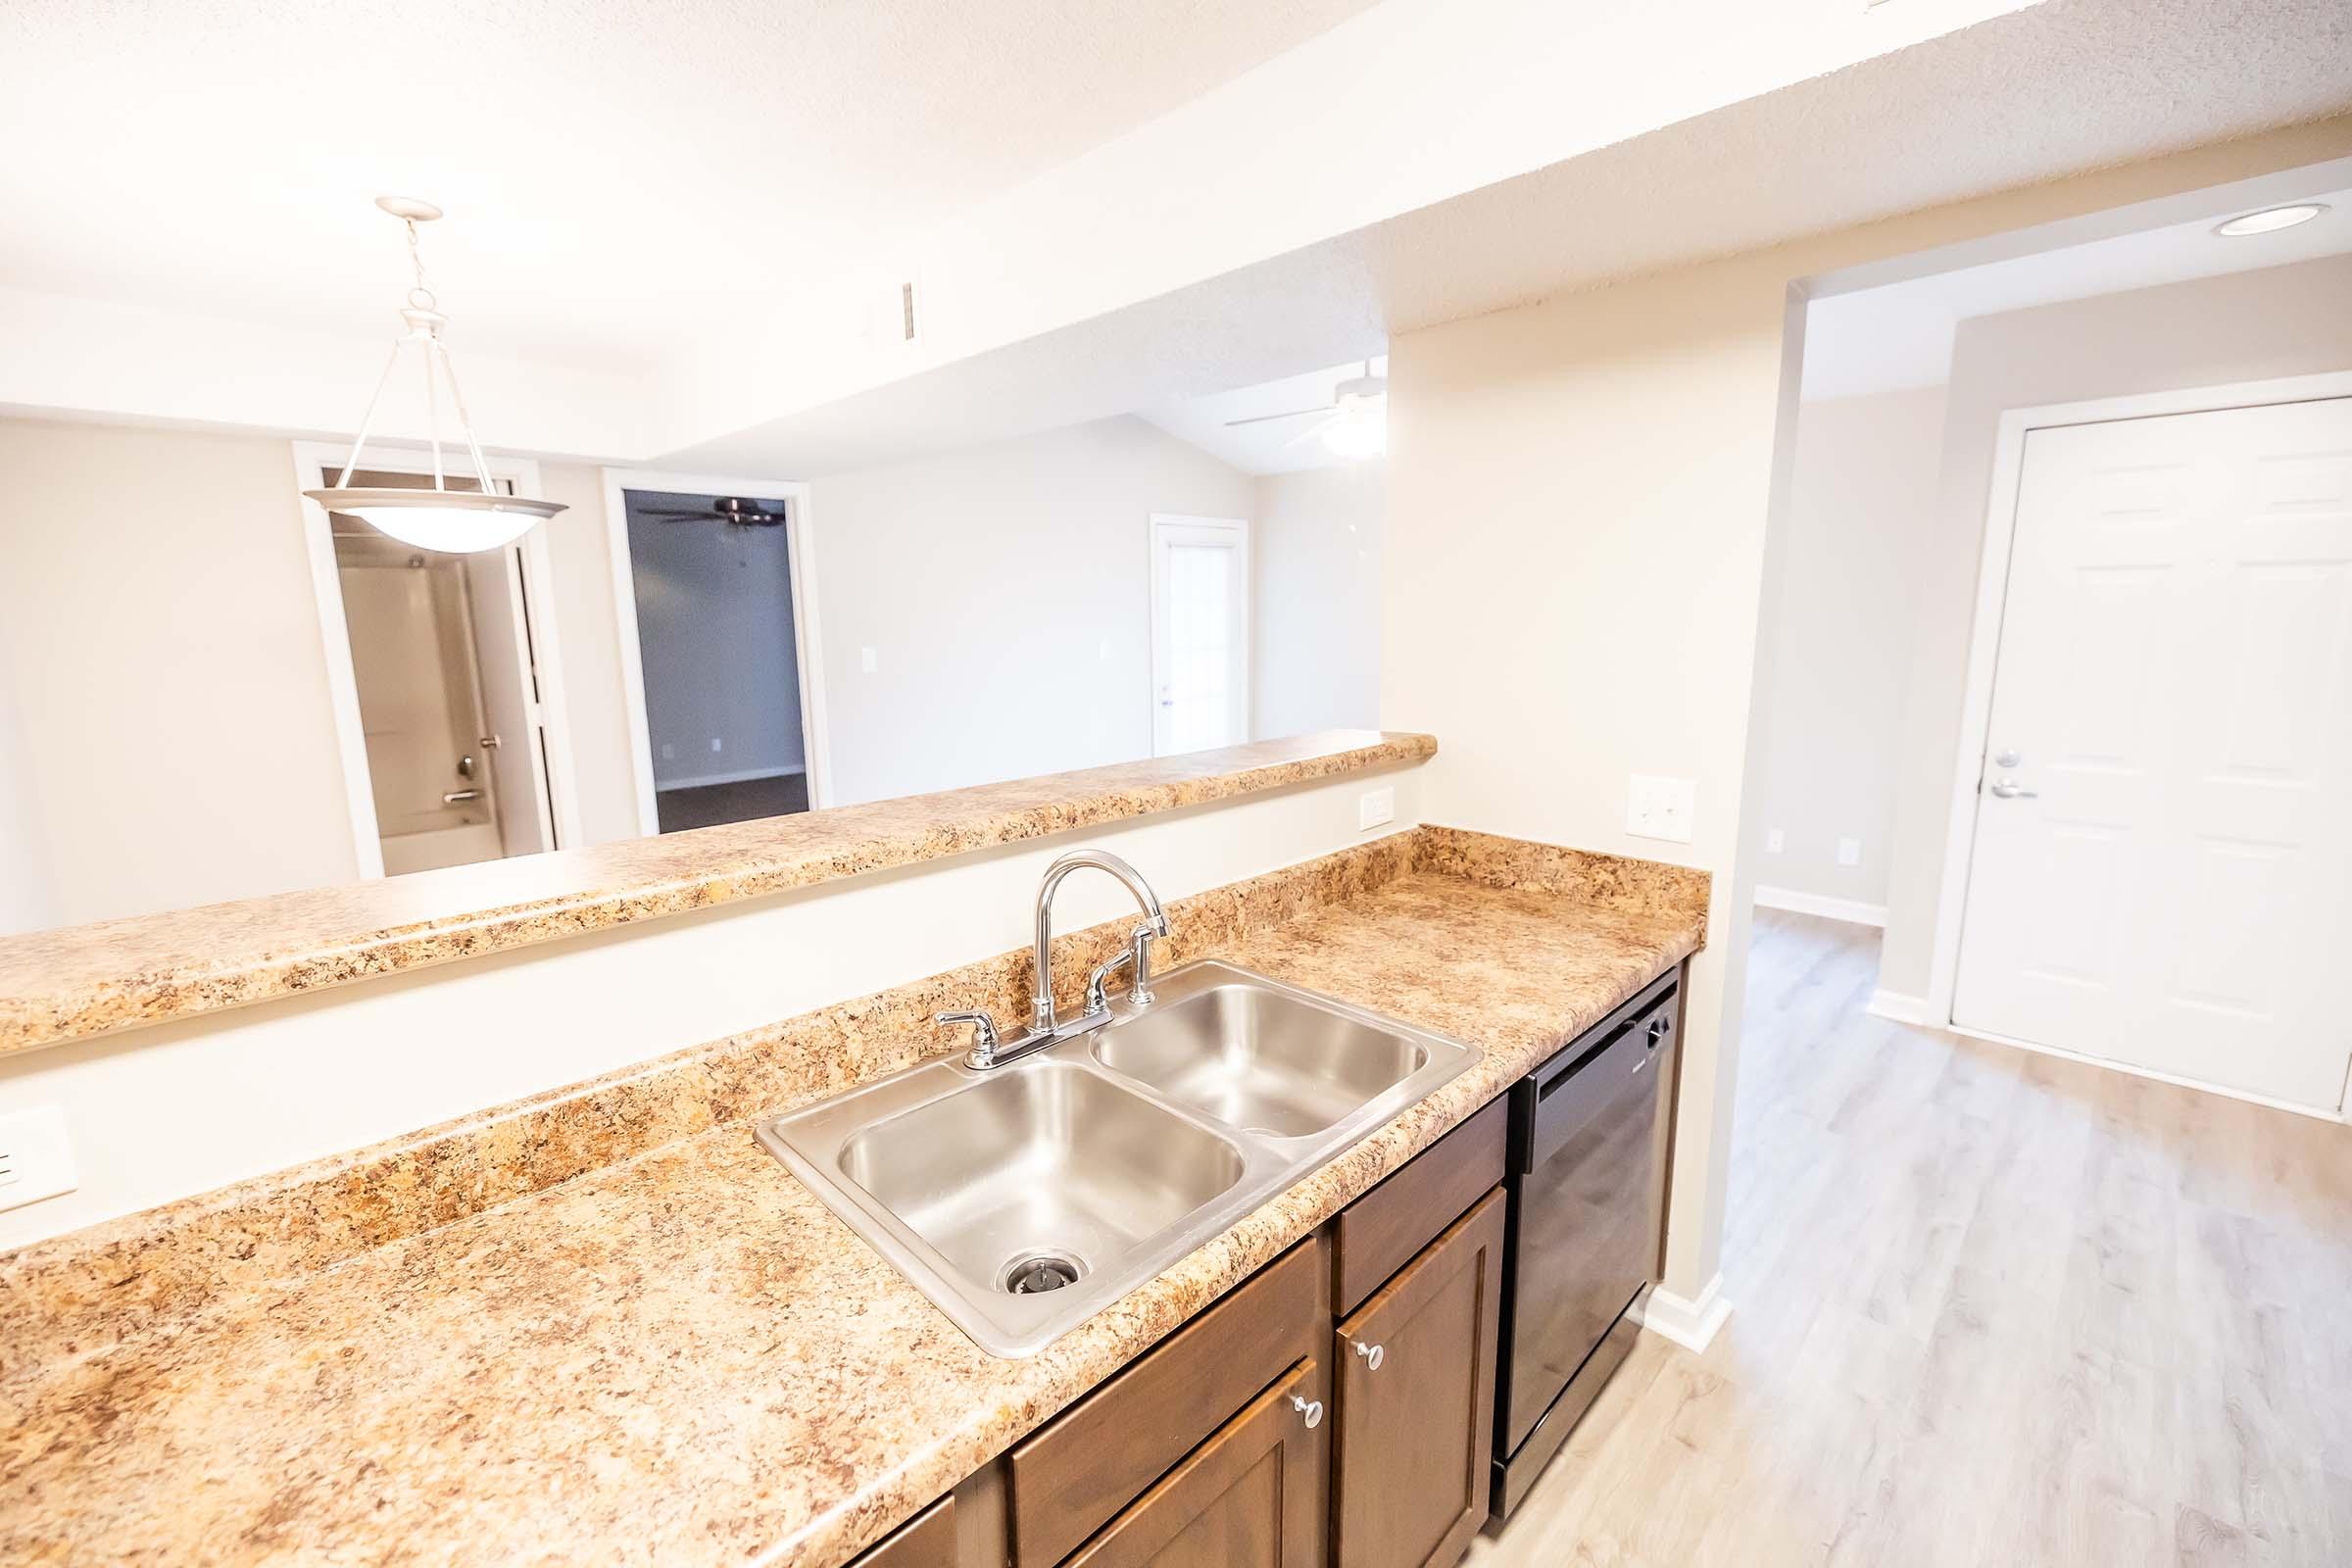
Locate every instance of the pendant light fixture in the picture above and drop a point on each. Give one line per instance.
(454, 521)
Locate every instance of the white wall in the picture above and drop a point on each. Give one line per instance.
(1861, 507)
(178, 745)
(163, 1112)
(162, 638)
(1005, 592)
(2287, 320)
(715, 631)
(27, 889)
(596, 710)
(1315, 600)
(1573, 569)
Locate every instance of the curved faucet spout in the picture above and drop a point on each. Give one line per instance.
(1041, 1019)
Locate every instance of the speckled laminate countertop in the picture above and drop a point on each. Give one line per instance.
(92, 979)
(685, 1359)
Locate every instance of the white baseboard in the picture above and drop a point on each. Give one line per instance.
(2336, 1114)
(1853, 911)
(703, 781)
(1902, 1007)
(1690, 1324)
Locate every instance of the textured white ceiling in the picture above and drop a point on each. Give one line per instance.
(1902, 334)
(2067, 86)
(618, 173)
(1270, 446)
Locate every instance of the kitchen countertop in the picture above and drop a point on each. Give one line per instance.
(686, 1358)
(92, 979)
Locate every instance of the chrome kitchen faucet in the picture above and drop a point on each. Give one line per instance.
(990, 1049)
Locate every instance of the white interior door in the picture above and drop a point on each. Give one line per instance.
(1199, 633)
(514, 747)
(2162, 872)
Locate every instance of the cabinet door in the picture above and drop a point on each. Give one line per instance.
(1246, 1498)
(926, 1540)
(1414, 1384)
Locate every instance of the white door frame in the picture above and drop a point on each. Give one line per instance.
(1993, 589)
(800, 547)
(315, 463)
(1239, 526)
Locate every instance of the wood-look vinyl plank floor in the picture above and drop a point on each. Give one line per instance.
(1991, 1311)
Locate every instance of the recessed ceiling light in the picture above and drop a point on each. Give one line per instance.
(2271, 219)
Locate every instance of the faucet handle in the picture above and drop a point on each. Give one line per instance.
(985, 1039)
(1098, 984)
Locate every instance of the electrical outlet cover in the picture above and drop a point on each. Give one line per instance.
(37, 1157)
(1377, 807)
(1661, 807)
(1775, 841)
(1849, 852)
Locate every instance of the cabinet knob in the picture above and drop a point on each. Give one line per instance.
(1373, 1356)
(1312, 1410)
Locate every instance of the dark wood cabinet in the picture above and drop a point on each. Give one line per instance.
(1249, 1497)
(1413, 1394)
(1094, 1459)
(926, 1540)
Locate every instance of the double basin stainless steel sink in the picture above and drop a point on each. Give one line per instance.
(1025, 1198)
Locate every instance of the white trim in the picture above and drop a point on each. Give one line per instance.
(1239, 527)
(313, 462)
(1689, 1322)
(799, 549)
(1992, 587)
(702, 781)
(2316, 1113)
(342, 682)
(1853, 911)
(1902, 1008)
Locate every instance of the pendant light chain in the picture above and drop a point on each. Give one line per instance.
(441, 518)
(424, 327)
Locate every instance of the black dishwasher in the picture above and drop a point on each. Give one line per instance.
(1587, 1176)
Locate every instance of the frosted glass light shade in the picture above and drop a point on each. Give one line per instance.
(1358, 432)
(450, 522)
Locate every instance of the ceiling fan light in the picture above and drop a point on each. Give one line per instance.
(1361, 432)
(449, 521)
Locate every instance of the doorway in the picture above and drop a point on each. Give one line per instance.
(443, 673)
(1199, 633)
(717, 612)
(2161, 851)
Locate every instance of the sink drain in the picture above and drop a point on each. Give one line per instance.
(1034, 1273)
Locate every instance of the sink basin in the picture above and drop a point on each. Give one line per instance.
(1032, 1170)
(1260, 1060)
(1025, 1199)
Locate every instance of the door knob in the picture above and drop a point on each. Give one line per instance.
(2007, 758)
(1312, 1410)
(1373, 1356)
(2009, 789)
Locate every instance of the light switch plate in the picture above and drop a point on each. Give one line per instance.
(1775, 841)
(1377, 807)
(1849, 852)
(37, 1157)
(1661, 807)
(867, 661)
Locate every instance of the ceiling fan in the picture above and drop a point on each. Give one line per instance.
(1354, 422)
(733, 510)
